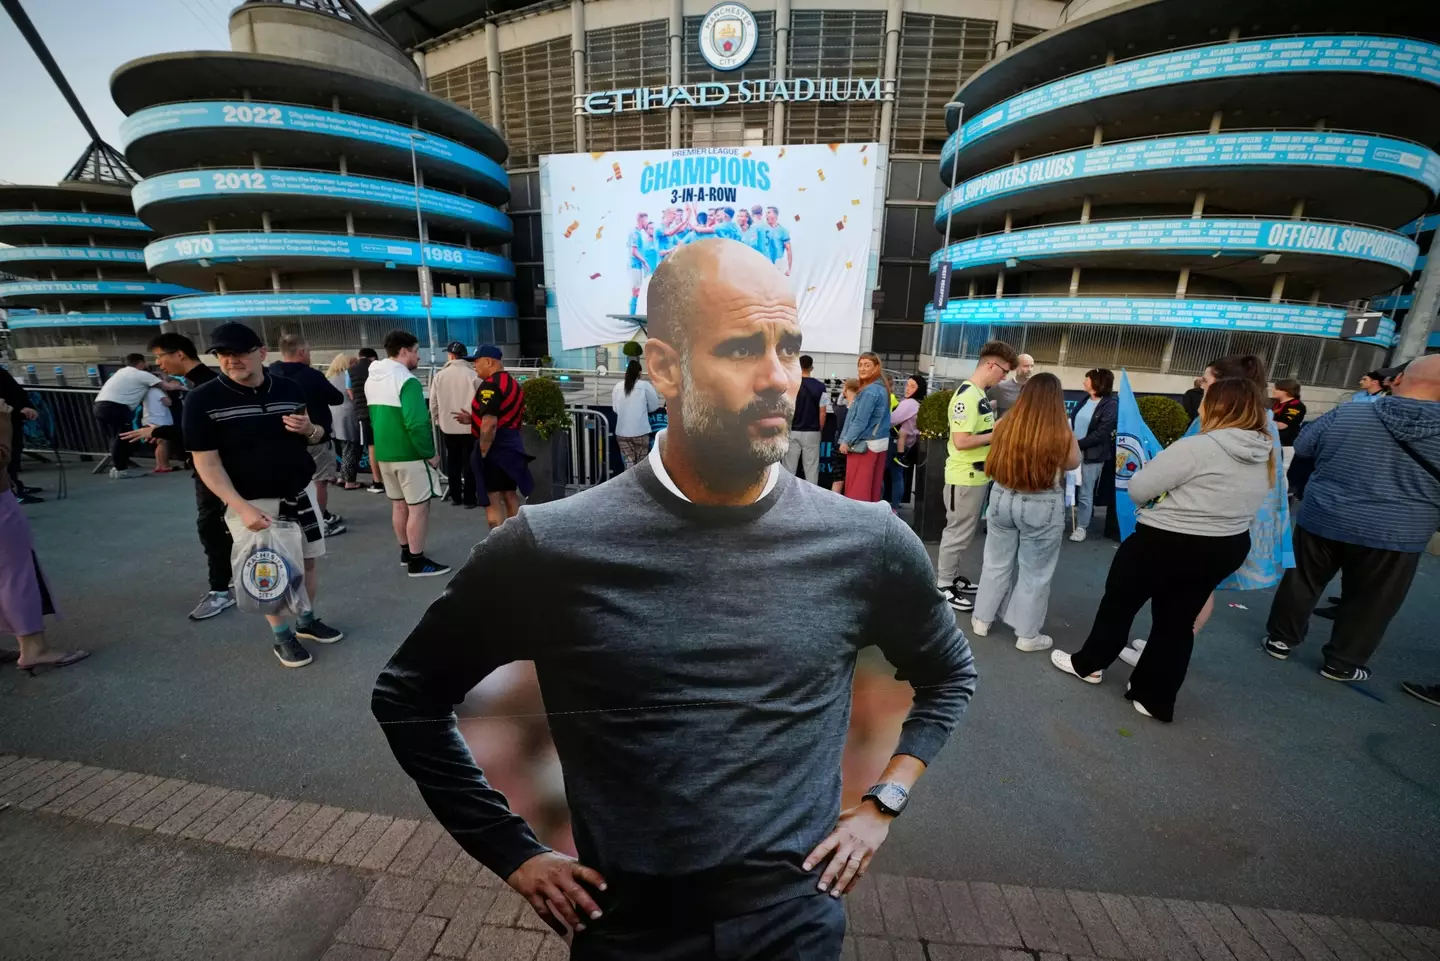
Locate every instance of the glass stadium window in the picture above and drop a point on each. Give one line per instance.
(622, 58)
(538, 96)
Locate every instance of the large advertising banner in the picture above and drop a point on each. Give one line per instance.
(613, 217)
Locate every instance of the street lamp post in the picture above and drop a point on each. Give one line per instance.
(424, 271)
(943, 269)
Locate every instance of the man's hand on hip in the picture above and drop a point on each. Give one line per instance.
(551, 883)
(858, 834)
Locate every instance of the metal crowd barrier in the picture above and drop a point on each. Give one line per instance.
(589, 448)
(66, 425)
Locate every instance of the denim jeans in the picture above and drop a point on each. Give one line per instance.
(1085, 493)
(1021, 551)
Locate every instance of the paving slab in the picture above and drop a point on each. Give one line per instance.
(69, 892)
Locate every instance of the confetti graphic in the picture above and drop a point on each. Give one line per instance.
(660, 201)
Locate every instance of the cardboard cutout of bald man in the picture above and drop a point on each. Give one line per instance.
(700, 734)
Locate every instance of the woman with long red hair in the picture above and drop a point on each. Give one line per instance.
(1031, 449)
(865, 438)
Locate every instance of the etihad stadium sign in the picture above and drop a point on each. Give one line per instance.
(796, 90)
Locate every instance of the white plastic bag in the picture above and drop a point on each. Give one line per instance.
(269, 570)
(1073, 479)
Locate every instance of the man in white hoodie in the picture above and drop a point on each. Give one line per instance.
(451, 391)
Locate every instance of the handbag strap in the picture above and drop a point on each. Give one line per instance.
(1415, 456)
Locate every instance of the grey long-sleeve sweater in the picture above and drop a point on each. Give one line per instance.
(697, 665)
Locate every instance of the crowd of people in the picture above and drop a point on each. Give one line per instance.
(266, 442)
(1213, 512)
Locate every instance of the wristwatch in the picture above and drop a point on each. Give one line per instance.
(889, 797)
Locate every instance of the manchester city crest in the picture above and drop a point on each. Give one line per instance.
(728, 35)
(1129, 458)
(264, 575)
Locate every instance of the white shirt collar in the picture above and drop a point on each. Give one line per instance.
(658, 466)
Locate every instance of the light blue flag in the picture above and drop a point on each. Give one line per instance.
(1135, 444)
(1272, 549)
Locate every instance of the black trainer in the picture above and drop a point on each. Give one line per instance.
(320, 632)
(963, 585)
(291, 652)
(957, 600)
(422, 566)
(1346, 674)
(405, 556)
(1429, 693)
(1276, 649)
(375, 488)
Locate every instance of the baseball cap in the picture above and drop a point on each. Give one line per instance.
(456, 348)
(234, 338)
(487, 350)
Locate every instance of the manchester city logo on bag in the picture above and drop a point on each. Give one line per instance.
(265, 576)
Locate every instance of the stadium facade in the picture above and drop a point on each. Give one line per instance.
(621, 75)
(305, 181)
(1158, 183)
(1146, 184)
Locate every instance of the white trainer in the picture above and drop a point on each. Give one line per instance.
(1061, 659)
(1040, 642)
(1078, 534)
(978, 627)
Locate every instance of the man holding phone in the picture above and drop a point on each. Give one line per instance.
(249, 434)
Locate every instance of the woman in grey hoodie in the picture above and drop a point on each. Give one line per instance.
(1199, 496)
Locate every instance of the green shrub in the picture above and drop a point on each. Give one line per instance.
(1165, 417)
(545, 406)
(933, 420)
(632, 348)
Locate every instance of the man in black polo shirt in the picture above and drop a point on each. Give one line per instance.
(176, 355)
(248, 433)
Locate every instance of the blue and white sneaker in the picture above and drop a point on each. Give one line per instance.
(422, 566)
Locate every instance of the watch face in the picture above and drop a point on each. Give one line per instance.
(892, 797)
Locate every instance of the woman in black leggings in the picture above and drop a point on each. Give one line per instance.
(1199, 496)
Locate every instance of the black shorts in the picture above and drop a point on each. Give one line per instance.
(496, 480)
(367, 434)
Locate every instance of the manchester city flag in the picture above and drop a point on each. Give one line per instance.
(1135, 444)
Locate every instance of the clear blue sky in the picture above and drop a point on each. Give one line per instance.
(39, 136)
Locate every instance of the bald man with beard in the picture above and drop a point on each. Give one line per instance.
(699, 728)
